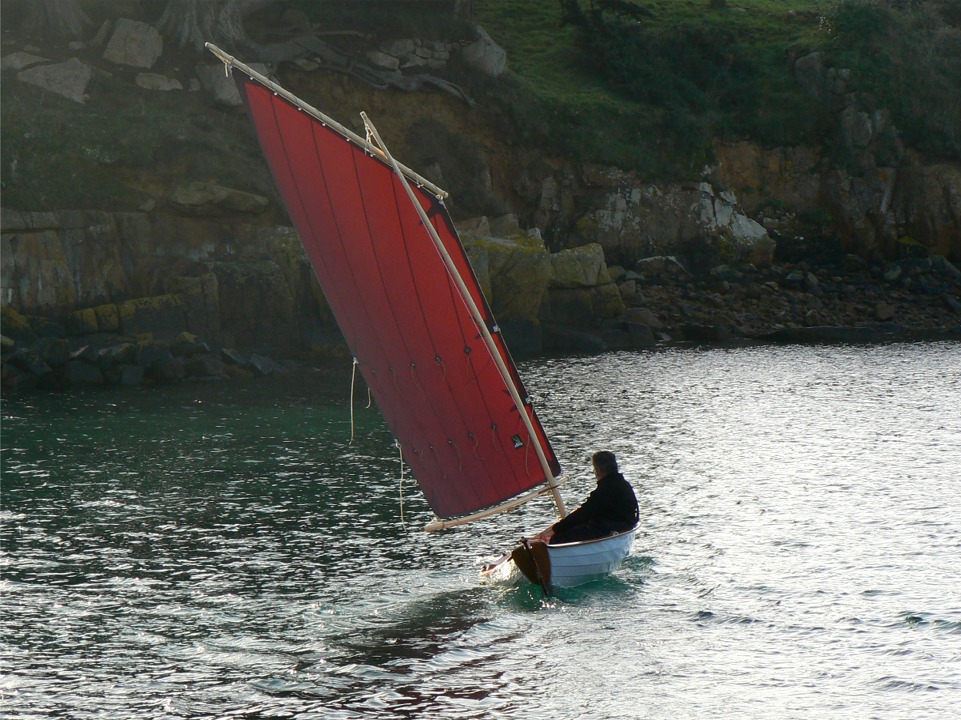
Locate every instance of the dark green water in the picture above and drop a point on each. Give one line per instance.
(221, 550)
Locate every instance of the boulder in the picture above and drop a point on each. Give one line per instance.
(229, 356)
(79, 372)
(186, 345)
(204, 365)
(631, 220)
(88, 354)
(504, 225)
(150, 353)
(485, 55)
(520, 270)
(478, 227)
(809, 73)
(21, 61)
(155, 81)
(643, 316)
(220, 86)
(927, 206)
(55, 352)
(383, 61)
(108, 318)
(202, 198)
(579, 267)
(264, 366)
(119, 354)
(167, 368)
(30, 361)
(134, 43)
(82, 322)
(16, 326)
(69, 78)
(884, 311)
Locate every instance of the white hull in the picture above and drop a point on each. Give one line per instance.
(581, 562)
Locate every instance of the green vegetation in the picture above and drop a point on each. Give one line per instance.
(649, 85)
(646, 85)
(910, 61)
(653, 89)
(380, 21)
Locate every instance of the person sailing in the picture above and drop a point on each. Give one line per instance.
(610, 508)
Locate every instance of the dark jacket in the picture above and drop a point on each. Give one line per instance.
(611, 507)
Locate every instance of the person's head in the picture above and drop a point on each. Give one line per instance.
(604, 463)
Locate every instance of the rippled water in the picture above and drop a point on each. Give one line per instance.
(221, 550)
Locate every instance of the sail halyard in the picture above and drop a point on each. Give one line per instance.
(479, 319)
(376, 321)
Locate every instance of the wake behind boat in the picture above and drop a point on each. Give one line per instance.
(398, 282)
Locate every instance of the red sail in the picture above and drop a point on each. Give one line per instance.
(433, 377)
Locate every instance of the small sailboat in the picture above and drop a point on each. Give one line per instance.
(399, 284)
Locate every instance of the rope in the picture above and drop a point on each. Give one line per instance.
(353, 380)
(460, 461)
(401, 487)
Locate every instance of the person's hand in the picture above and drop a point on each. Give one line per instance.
(545, 536)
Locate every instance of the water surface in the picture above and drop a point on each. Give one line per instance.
(224, 550)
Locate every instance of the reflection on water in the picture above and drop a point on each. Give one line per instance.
(222, 550)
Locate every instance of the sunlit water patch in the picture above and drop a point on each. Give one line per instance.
(225, 550)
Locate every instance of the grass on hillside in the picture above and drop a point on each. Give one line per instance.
(701, 72)
(653, 96)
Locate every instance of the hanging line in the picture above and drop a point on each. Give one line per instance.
(353, 380)
(401, 488)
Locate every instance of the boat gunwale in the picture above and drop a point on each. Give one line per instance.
(582, 543)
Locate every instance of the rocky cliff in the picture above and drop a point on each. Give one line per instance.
(572, 256)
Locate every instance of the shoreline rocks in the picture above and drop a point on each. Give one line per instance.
(60, 363)
(659, 303)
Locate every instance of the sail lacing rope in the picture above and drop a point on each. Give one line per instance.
(473, 437)
(413, 376)
(401, 486)
(460, 461)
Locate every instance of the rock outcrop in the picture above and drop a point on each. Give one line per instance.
(133, 273)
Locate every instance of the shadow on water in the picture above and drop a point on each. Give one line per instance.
(416, 630)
